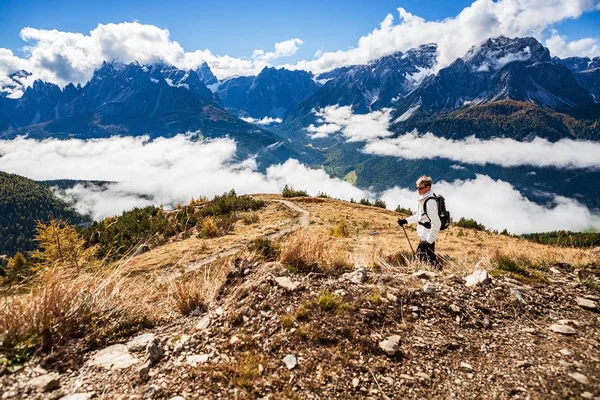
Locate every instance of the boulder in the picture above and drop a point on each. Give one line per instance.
(139, 343)
(563, 329)
(479, 277)
(287, 283)
(587, 304)
(359, 276)
(114, 357)
(290, 361)
(391, 345)
(46, 383)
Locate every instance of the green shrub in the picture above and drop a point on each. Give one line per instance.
(565, 238)
(365, 202)
(289, 191)
(265, 248)
(469, 223)
(402, 210)
(379, 203)
(323, 195)
(518, 267)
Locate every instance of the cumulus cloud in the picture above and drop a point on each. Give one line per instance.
(373, 128)
(263, 121)
(560, 46)
(498, 205)
(63, 57)
(481, 20)
(354, 127)
(164, 170)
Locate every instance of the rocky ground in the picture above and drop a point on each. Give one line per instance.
(383, 334)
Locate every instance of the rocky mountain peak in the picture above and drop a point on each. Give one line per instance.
(206, 75)
(495, 53)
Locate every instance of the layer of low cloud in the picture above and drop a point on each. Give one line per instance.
(498, 205)
(373, 128)
(63, 57)
(263, 121)
(174, 170)
(162, 171)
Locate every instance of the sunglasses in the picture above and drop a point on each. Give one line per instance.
(421, 187)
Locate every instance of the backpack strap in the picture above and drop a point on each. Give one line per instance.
(427, 224)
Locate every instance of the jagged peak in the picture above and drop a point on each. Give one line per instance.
(495, 53)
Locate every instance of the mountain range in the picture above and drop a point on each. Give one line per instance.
(503, 87)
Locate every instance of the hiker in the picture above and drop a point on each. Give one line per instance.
(429, 222)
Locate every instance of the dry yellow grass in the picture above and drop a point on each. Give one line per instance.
(170, 256)
(375, 234)
(309, 252)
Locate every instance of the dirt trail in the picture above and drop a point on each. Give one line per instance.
(304, 219)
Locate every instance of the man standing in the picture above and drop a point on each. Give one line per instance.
(429, 222)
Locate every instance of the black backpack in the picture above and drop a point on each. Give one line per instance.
(442, 212)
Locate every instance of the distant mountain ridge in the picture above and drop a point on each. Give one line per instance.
(270, 94)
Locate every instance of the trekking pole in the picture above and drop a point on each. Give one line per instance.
(409, 243)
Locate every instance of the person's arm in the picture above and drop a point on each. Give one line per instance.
(436, 223)
(413, 218)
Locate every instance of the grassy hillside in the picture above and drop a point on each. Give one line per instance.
(24, 202)
(229, 311)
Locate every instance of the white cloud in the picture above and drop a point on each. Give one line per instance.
(539, 152)
(322, 131)
(173, 170)
(560, 46)
(498, 205)
(282, 49)
(63, 57)
(264, 121)
(481, 20)
(373, 128)
(355, 127)
(165, 170)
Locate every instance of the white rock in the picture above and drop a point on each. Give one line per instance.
(359, 276)
(78, 396)
(234, 340)
(290, 361)
(139, 343)
(565, 352)
(424, 274)
(177, 398)
(196, 359)
(587, 304)
(580, 378)
(391, 297)
(429, 288)
(466, 367)
(9, 395)
(477, 278)
(46, 383)
(219, 311)
(564, 329)
(391, 345)
(587, 395)
(287, 283)
(423, 375)
(114, 357)
(204, 323)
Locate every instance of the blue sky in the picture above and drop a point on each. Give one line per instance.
(237, 27)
